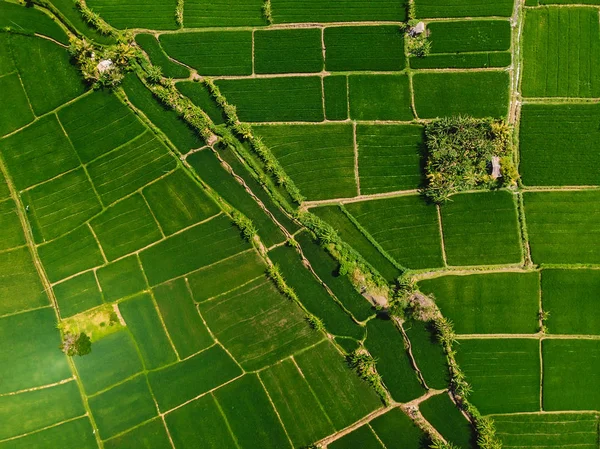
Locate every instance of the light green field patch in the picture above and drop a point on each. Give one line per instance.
(445, 416)
(121, 278)
(463, 8)
(73, 16)
(299, 409)
(226, 275)
(29, 19)
(490, 303)
(290, 11)
(7, 64)
(363, 437)
(77, 434)
(320, 159)
(428, 353)
(397, 431)
(98, 123)
(31, 340)
(33, 410)
(179, 255)
(154, 14)
(228, 13)
(113, 359)
(77, 294)
(60, 205)
(258, 325)
(469, 36)
(12, 232)
(125, 227)
(344, 396)
(37, 153)
(151, 435)
(4, 190)
(190, 378)
(123, 407)
(130, 167)
(143, 321)
(70, 254)
(19, 113)
(273, 50)
(379, 97)
(181, 318)
(178, 202)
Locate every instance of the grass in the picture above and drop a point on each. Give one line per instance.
(563, 226)
(76, 434)
(212, 52)
(471, 36)
(490, 303)
(569, 297)
(397, 431)
(190, 378)
(200, 96)
(462, 8)
(554, 41)
(297, 406)
(285, 11)
(121, 278)
(60, 205)
(386, 344)
(481, 228)
(370, 48)
(462, 60)
(275, 99)
(547, 131)
(571, 374)
(504, 374)
(428, 353)
(389, 157)
(19, 114)
(186, 329)
(335, 91)
(477, 94)
(258, 325)
(97, 323)
(152, 47)
(363, 437)
(444, 415)
(379, 97)
(144, 322)
(405, 227)
(319, 159)
(273, 50)
(34, 337)
(225, 13)
(156, 14)
(77, 294)
(152, 435)
(12, 232)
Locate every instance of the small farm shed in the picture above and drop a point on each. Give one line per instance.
(496, 167)
(418, 29)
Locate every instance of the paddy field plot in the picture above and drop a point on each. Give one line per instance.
(121, 278)
(462, 60)
(150, 44)
(444, 415)
(405, 227)
(335, 93)
(201, 96)
(77, 294)
(223, 13)
(570, 296)
(397, 431)
(12, 235)
(428, 353)
(289, 11)
(379, 97)
(151, 435)
(273, 50)
(490, 303)
(561, 52)
(564, 226)
(504, 373)
(481, 228)
(73, 17)
(20, 113)
(559, 144)
(320, 159)
(155, 14)
(363, 437)
(7, 64)
(75, 434)
(463, 8)
(21, 288)
(31, 20)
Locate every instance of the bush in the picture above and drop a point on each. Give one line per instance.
(76, 344)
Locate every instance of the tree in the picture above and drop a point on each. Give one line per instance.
(76, 344)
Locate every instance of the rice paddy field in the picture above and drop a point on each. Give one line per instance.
(232, 246)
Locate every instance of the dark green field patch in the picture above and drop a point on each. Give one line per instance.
(19, 113)
(151, 435)
(372, 48)
(344, 396)
(547, 156)
(33, 410)
(320, 159)
(389, 157)
(98, 123)
(463, 8)
(444, 415)
(227, 13)
(178, 254)
(130, 167)
(154, 14)
(201, 97)
(504, 374)
(125, 227)
(178, 202)
(275, 99)
(73, 16)
(200, 424)
(183, 323)
(7, 64)
(29, 19)
(386, 344)
(70, 254)
(212, 52)
(571, 298)
(30, 340)
(60, 205)
(490, 303)
(188, 379)
(21, 288)
(379, 97)
(122, 407)
(469, 36)
(363, 437)
(37, 153)
(571, 374)
(149, 43)
(335, 91)
(561, 52)
(76, 434)
(12, 232)
(145, 324)
(288, 51)
(77, 294)
(406, 227)
(563, 227)
(462, 60)
(121, 278)
(397, 431)
(428, 353)
(479, 94)
(113, 359)
(343, 11)
(258, 325)
(481, 228)
(297, 406)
